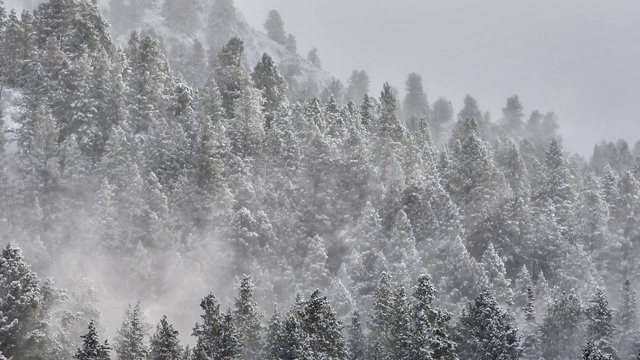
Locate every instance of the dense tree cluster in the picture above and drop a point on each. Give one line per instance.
(115, 157)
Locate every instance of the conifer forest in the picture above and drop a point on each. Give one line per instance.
(176, 184)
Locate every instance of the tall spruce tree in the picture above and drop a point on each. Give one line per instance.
(626, 320)
(356, 343)
(248, 321)
(562, 328)
(130, 343)
(430, 326)
(600, 326)
(91, 348)
(275, 27)
(485, 330)
(165, 344)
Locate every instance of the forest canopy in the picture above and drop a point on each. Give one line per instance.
(306, 219)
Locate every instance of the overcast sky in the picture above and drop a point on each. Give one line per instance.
(579, 58)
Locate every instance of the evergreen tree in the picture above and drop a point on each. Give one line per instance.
(323, 328)
(389, 126)
(626, 323)
(442, 114)
(222, 18)
(600, 327)
(274, 341)
(403, 256)
(400, 336)
(561, 329)
(91, 348)
(229, 76)
(470, 110)
(486, 331)
(165, 344)
(356, 342)
(275, 27)
(591, 352)
(130, 342)
(558, 188)
(430, 325)
(513, 116)
(25, 309)
(217, 337)
(357, 87)
(149, 84)
(471, 177)
(381, 320)
(248, 321)
(314, 58)
(291, 44)
(497, 274)
(274, 88)
(415, 105)
(295, 342)
(530, 335)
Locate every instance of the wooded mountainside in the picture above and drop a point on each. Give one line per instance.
(332, 222)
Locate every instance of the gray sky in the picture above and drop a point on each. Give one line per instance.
(578, 58)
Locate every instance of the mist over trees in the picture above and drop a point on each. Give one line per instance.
(144, 172)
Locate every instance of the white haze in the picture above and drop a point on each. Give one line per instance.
(578, 58)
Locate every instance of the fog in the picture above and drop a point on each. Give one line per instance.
(164, 150)
(577, 58)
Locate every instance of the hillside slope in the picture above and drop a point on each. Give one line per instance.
(305, 80)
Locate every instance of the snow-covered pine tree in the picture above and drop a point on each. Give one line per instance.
(248, 321)
(497, 274)
(165, 344)
(217, 338)
(402, 255)
(562, 328)
(591, 352)
(512, 117)
(323, 328)
(357, 87)
(267, 78)
(230, 77)
(485, 330)
(430, 325)
(389, 126)
(25, 309)
(275, 27)
(600, 326)
(356, 342)
(400, 335)
(415, 104)
(381, 320)
(91, 348)
(130, 342)
(627, 334)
